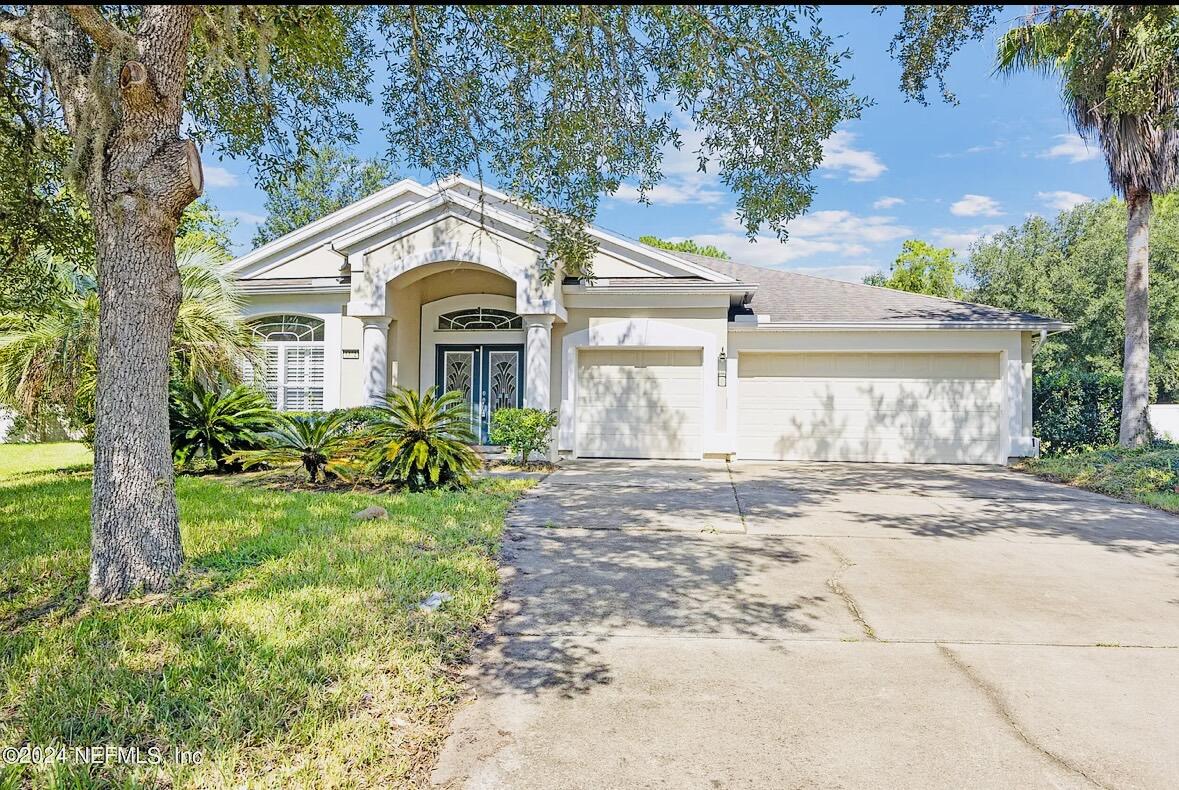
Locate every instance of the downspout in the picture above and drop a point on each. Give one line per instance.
(1039, 342)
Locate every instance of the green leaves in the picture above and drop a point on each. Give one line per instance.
(922, 268)
(562, 104)
(216, 422)
(320, 441)
(1118, 67)
(1073, 268)
(272, 82)
(687, 245)
(929, 37)
(422, 440)
(1075, 411)
(523, 431)
(327, 180)
(556, 104)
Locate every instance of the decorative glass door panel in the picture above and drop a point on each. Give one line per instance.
(489, 377)
(458, 374)
(503, 379)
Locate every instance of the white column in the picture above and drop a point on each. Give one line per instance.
(375, 357)
(538, 351)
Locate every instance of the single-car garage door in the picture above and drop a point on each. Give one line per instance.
(638, 403)
(902, 407)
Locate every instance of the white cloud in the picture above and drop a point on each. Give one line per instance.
(974, 149)
(848, 227)
(247, 217)
(860, 164)
(1062, 200)
(683, 182)
(839, 235)
(962, 240)
(1073, 146)
(216, 176)
(976, 206)
(674, 192)
(888, 202)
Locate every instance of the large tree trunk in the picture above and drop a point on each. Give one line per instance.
(135, 531)
(121, 98)
(146, 178)
(1135, 425)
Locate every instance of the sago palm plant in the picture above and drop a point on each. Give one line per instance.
(321, 442)
(422, 439)
(1118, 68)
(215, 422)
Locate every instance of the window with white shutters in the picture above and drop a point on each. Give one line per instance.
(292, 364)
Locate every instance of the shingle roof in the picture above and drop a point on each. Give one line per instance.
(790, 297)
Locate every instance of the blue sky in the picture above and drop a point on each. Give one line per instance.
(946, 174)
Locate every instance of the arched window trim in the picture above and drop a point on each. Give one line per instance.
(293, 349)
(288, 328)
(479, 319)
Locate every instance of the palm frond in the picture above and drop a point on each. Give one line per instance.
(422, 440)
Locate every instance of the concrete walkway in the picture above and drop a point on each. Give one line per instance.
(802, 625)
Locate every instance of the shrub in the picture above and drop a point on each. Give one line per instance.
(1118, 471)
(356, 418)
(523, 431)
(422, 440)
(214, 423)
(1074, 411)
(319, 441)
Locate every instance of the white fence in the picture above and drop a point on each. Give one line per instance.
(1164, 418)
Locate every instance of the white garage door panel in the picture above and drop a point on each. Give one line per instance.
(860, 423)
(932, 408)
(638, 404)
(850, 395)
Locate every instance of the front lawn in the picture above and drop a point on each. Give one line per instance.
(1149, 476)
(17, 459)
(291, 654)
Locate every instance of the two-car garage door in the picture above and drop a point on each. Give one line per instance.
(899, 407)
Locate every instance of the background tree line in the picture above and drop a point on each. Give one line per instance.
(1071, 267)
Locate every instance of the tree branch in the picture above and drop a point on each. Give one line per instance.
(16, 26)
(108, 37)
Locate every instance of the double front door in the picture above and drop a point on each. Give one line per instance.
(489, 377)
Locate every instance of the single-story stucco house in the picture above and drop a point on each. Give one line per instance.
(662, 355)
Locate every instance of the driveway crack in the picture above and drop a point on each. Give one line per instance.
(996, 699)
(836, 586)
(736, 498)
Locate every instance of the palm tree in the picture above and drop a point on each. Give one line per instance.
(48, 362)
(423, 440)
(320, 441)
(1119, 72)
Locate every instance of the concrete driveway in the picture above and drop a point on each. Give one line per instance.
(831, 625)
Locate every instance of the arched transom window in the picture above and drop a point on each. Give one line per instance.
(480, 319)
(292, 376)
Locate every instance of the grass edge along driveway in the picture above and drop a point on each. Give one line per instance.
(291, 653)
(1147, 475)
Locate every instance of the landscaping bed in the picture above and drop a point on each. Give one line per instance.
(1149, 476)
(292, 651)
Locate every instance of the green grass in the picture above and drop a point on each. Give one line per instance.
(18, 459)
(1149, 476)
(291, 654)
